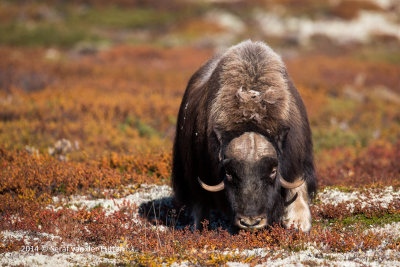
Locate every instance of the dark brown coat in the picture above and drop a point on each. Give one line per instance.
(245, 89)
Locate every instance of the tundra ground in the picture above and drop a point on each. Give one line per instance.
(87, 121)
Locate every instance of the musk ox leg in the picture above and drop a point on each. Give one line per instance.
(199, 214)
(298, 212)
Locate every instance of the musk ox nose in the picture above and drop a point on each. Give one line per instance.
(251, 222)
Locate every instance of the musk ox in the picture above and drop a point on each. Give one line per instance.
(243, 142)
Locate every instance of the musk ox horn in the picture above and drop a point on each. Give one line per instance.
(212, 188)
(288, 185)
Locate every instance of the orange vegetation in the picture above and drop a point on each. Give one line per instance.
(118, 108)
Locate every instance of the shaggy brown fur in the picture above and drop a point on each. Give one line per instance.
(253, 88)
(245, 89)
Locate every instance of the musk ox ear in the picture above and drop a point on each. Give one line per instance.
(218, 134)
(218, 139)
(280, 138)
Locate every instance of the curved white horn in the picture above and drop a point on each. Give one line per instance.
(288, 185)
(212, 188)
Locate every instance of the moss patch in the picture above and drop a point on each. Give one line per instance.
(365, 221)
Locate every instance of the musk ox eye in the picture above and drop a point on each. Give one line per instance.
(229, 177)
(273, 173)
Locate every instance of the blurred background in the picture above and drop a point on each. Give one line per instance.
(84, 80)
(99, 24)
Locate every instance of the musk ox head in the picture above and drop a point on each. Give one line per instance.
(252, 181)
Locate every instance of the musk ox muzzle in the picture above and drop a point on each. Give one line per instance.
(251, 222)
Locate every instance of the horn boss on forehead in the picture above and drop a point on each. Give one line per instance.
(250, 146)
(233, 117)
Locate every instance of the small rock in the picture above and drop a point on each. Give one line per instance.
(32, 150)
(61, 148)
